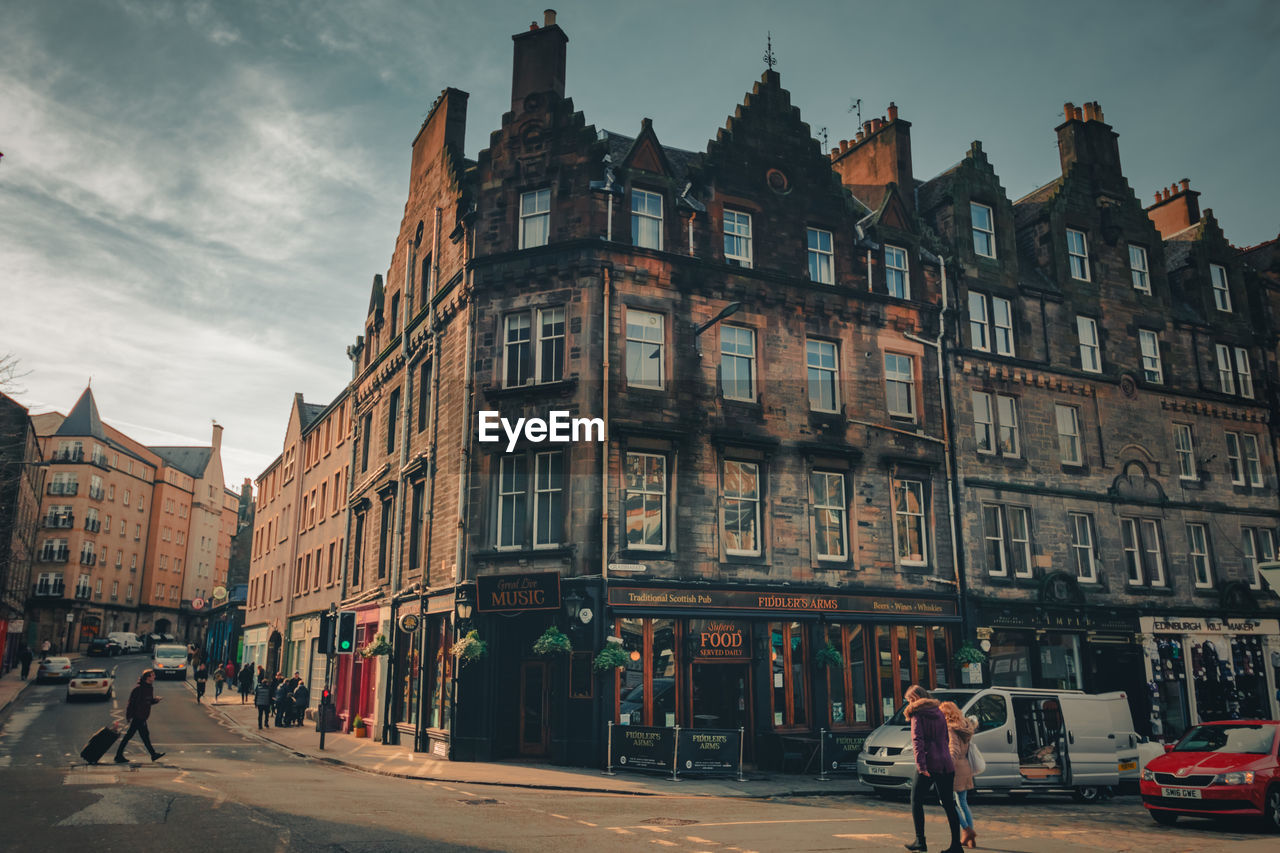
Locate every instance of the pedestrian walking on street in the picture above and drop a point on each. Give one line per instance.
(24, 661)
(202, 679)
(936, 772)
(284, 704)
(301, 699)
(219, 680)
(262, 701)
(137, 712)
(960, 733)
(246, 683)
(44, 649)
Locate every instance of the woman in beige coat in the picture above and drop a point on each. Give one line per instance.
(960, 732)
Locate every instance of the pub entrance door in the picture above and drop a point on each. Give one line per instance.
(534, 711)
(721, 696)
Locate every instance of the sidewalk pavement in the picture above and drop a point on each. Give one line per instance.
(367, 755)
(12, 685)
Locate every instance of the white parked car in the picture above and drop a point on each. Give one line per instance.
(88, 683)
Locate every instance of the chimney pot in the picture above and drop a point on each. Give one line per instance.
(835, 152)
(844, 145)
(533, 26)
(1157, 196)
(1088, 111)
(893, 111)
(1166, 193)
(1097, 110)
(1078, 114)
(1068, 111)
(1186, 184)
(549, 17)
(860, 136)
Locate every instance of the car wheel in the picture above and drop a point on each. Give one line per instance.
(1087, 794)
(1271, 811)
(1164, 818)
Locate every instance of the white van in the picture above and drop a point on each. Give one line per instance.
(170, 661)
(128, 643)
(1031, 740)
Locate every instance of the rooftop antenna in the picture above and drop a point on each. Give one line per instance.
(769, 58)
(822, 132)
(855, 105)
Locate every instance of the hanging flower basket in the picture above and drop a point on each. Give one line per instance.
(377, 646)
(969, 653)
(552, 642)
(469, 648)
(611, 656)
(830, 656)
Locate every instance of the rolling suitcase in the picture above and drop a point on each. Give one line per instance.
(99, 744)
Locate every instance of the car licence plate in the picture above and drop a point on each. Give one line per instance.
(877, 770)
(1128, 765)
(1180, 793)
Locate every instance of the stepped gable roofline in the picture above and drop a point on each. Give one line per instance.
(376, 294)
(83, 419)
(188, 460)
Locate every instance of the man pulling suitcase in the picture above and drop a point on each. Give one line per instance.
(137, 713)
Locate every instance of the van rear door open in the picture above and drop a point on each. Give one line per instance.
(1091, 739)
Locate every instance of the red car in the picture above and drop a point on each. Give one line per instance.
(1227, 768)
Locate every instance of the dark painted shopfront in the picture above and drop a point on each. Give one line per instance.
(748, 658)
(1065, 648)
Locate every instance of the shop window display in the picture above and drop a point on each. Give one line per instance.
(789, 658)
(647, 684)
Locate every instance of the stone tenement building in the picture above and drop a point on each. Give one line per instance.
(132, 538)
(813, 375)
(21, 484)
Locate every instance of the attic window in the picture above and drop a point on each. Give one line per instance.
(646, 219)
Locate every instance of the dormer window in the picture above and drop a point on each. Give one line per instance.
(895, 272)
(737, 238)
(984, 230)
(1221, 295)
(535, 218)
(821, 257)
(1078, 254)
(646, 219)
(1138, 269)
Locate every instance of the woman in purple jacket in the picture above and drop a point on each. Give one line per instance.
(935, 769)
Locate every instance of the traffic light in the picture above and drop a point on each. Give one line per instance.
(346, 640)
(325, 643)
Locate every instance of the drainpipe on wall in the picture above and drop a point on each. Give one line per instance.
(604, 452)
(464, 462)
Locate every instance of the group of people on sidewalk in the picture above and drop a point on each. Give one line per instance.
(940, 737)
(286, 700)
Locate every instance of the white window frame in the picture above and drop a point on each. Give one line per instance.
(1226, 373)
(1244, 373)
(1078, 255)
(550, 369)
(1153, 551)
(897, 272)
(1068, 441)
(1090, 349)
(993, 536)
(979, 322)
(1139, 269)
(1266, 552)
(643, 218)
(984, 423)
(641, 346)
(897, 377)
(732, 340)
(737, 238)
(1020, 544)
(745, 498)
(1144, 555)
(988, 233)
(902, 512)
(822, 258)
(1235, 459)
(535, 212)
(517, 352)
(822, 362)
(1149, 349)
(506, 519)
(1249, 556)
(544, 488)
(1221, 288)
(1252, 459)
(1008, 437)
(834, 503)
(1184, 448)
(1082, 546)
(1002, 332)
(647, 495)
(1198, 555)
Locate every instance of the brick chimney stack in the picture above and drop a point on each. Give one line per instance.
(1177, 208)
(539, 62)
(880, 154)
(1085, 139)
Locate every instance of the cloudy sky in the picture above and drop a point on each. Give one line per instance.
(195, 196)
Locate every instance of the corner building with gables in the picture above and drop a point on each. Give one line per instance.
(757, 331)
